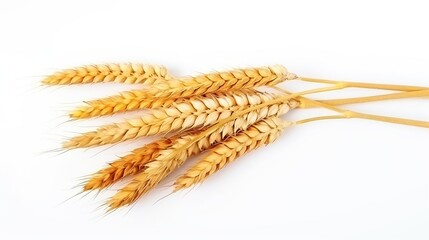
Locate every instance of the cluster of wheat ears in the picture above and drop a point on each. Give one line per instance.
(223, 114)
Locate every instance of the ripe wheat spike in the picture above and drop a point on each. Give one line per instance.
(223, 81)
(127, 165)
(195, 113)
(261, 133)
(171, 158)
(135, 100)
(119, 73)
(124, 101)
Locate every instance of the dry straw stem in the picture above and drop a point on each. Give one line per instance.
(187, 145)
(391, 87)
(119, 73)
(195, 113)
(222, 81)
(263, 132)
(407, 92)
(127, 165)
(352, 114)
(303, 102)
(375, 98)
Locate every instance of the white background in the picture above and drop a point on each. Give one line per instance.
(339, 179)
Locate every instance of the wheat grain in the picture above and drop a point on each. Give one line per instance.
(194, 113)
(260, 133)
(120, 73)
(224, 81)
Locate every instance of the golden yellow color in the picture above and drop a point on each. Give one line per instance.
(192, 113)
(224, 113)
(261, 133)
(119, 73)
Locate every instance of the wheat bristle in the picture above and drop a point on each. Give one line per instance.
(261, 133)
(119, 73)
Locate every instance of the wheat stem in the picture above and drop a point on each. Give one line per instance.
(353, 114)
(345, 101)
(391, 96)
(313, 119)
(365, 85)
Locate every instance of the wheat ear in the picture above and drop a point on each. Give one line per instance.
(263, 132)
(171, 158)
(198, 112)
(223, 81)
(135, 100)
(194, 143)
(163, 94)
(186, 146)
(120, 73)
(124, 101)
(127, 165)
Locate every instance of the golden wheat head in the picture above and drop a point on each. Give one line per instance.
(195, 113)
(124, 101)
(171, 158)
(126, 165)
(263, 132)
(119, 73)
(223, 81)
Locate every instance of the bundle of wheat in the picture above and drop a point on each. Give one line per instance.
(224, 113)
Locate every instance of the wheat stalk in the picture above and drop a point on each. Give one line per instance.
(194, 113)
(120, 73)
(263, 132)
